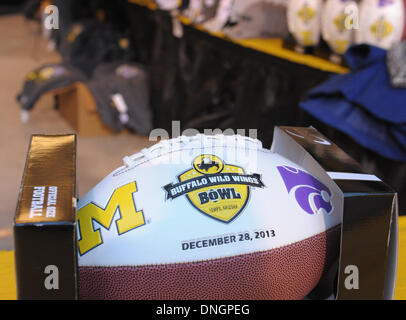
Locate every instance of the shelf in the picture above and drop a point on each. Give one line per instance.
(272, 47)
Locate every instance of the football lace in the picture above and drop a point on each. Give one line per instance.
(183, 142)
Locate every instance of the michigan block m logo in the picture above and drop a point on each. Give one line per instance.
(130, 218)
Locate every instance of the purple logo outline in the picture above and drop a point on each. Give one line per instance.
(312, 195)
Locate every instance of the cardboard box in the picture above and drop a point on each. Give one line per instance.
(44, 225)
(78, 107)
(369, 230)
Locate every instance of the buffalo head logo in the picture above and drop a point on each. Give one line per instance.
(311, 195)
(208, 164)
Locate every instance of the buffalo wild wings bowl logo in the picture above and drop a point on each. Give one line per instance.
(215, 188)
(381, 28)
(306, 13)
(311, 195)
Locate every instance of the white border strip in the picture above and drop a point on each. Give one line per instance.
(352, 176)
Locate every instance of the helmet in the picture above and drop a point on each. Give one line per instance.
(334, 20)
(381, 22)
(304, 21)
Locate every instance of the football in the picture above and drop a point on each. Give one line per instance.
(333, 24)
(207, 217)
(304, 21)
(381, 22)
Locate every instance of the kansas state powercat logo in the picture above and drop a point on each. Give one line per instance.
(312, 195)
(215, 188)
